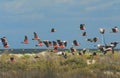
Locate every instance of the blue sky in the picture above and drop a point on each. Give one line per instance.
(23, 17)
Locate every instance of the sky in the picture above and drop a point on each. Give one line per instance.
(23, 17)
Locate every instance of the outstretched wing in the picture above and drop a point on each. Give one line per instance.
(46, 42)
(84, 34)
(90, 40)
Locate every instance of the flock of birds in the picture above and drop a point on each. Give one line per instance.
(62, 44)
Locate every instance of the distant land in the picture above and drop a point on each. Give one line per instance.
(22, 51)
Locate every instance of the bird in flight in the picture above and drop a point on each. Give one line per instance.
(4, 42)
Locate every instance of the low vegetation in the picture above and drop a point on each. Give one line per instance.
(50, 65)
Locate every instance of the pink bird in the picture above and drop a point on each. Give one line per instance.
(40, 43)
(25, 40)
(35, 36)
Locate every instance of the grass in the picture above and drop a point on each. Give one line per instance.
(53, 66)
